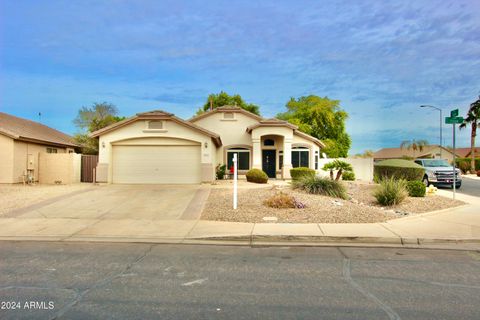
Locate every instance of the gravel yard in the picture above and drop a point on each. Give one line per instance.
(361, 208)
(18, 196)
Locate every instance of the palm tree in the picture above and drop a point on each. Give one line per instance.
(339, 165)
(414, 145)
(473, 118)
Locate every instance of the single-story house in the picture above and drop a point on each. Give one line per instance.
(467, 152)
(21, 142)
(159, 148)
(429, 151)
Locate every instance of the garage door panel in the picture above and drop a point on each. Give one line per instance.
(156, 164)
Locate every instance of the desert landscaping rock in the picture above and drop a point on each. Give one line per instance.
(361, 208)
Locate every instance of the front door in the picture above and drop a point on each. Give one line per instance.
(269, 163)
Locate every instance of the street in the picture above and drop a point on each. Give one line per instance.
(50, 280)
(470, 187)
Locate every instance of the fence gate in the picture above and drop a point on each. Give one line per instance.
(89, 162)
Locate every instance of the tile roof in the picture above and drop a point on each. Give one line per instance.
(23, 129)
(391, 153)
(465, 152)
(157, 114)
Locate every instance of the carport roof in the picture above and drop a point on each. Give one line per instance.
(157, 115)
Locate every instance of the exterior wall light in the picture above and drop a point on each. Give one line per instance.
(103, 144)
(206, 145)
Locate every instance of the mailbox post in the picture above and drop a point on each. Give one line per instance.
(235, 178)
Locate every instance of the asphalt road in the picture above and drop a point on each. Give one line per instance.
(142, 281)
(469, 187)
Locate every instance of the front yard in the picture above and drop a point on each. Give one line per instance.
(360, 208)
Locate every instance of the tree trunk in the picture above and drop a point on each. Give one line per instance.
(331, 174)
(339, 174)
(472, 145)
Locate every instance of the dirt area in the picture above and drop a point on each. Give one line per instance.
(18, 196)
(361, 208)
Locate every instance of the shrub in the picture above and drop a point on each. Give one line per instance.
(256, 176)
(300, 172)
(464, 164)
(220, 171)
(283, 201)
(416, 188)
(391, 191)
(478, 173)
(348, 176)
(321, 185)
(398, 169)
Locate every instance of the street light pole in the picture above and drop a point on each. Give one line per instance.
(441, 125)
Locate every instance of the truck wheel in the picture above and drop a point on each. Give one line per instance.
(425, 181)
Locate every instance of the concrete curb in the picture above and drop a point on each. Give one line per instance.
(283, 241)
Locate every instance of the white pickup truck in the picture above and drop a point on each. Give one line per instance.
(439, 173)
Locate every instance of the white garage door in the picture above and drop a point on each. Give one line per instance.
(156, 164)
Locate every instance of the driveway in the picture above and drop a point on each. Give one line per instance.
(149, 202)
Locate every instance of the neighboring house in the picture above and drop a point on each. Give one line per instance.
(157, 147)
(466, 152)
(430, 151)
(21, 142)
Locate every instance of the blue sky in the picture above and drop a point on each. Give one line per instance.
(382, 59)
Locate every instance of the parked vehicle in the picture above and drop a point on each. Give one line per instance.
(439, 173)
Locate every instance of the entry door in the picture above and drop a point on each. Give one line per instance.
(269, 163)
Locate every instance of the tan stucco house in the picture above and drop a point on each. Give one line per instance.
(429, 151)
(158, 147)
(21, 143)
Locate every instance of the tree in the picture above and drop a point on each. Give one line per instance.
(365, 154)
(321, 118)
(415, 145)
(224, 99)
(472, 118)
(90, 119)
(339, 165)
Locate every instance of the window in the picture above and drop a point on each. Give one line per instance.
(243, 156)
(51, 150)
(280, 159)
(269, 142)
(228, 115)
(155, 125)
(316, 162)
(300, 157)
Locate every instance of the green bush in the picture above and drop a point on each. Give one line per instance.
(300, 172)
(398, 169)
(220, 171)
(464, 164)
(348, 176)
(391, 191)
(416, 188)
(321, 185)
(256, 176)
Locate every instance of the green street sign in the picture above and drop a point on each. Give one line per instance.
(453, 120)
(454, 113)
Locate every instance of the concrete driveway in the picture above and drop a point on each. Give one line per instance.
(149, 202)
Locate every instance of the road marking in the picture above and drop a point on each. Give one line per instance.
(191, 283)
(346, 274)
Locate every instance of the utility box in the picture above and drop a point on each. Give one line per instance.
(30, 162)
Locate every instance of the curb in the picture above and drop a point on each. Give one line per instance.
(276, 241)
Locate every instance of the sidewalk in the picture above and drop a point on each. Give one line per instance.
(458, 227)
